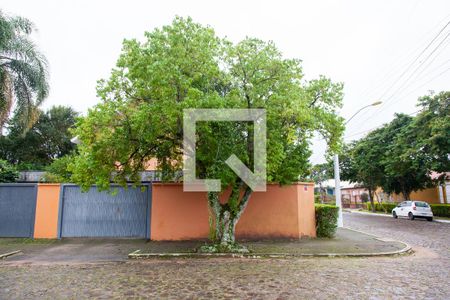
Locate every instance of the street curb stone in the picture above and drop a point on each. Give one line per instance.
(5, 255)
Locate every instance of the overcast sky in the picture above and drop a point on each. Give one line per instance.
(373, 47)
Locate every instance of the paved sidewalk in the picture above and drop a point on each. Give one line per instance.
(355, 211)
(347, 242)
(79, 251)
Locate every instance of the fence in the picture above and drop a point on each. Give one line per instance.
(157, 212)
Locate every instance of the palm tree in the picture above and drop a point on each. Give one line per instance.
(23, 72)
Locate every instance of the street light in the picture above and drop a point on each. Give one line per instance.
(337, 179)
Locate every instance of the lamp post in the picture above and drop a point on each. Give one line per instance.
(337, 179)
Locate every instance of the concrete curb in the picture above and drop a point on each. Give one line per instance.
(405, 250)
(5, 255)
(389, 216)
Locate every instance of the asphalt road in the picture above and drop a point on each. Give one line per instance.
(422, 275)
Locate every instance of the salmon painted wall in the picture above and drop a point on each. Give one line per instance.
(306, 210)
(430, 195)
(280, 212)
(47, 206)
(177, 215)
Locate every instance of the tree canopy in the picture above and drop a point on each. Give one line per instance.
(46, 140)
(401, 155)
(185, 65)
(431, 131)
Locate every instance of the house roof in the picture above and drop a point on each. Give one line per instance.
(330, 183)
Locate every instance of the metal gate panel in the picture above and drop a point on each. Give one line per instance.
(17, 209)
(101, 214)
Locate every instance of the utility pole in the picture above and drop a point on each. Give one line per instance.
(337, 177)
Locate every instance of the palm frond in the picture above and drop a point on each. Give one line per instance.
(24, 75)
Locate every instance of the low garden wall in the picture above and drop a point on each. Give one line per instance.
(280, 212)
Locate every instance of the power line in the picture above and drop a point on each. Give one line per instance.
(422, 85)
(410, 114)
(415, 70)
(417, 58)
(383, 106)
(395, 66)
(379, 126)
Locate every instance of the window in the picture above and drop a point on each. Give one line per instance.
(421, 204)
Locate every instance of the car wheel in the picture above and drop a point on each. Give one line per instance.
(394, 214)
(430, 219)
(411, 216)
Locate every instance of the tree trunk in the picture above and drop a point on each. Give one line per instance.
(322, 193)
(372, 204)
(226, 218)
(406, 194)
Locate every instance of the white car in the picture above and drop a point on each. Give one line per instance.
(413, 209)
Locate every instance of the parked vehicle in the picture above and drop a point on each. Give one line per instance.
(412, 210)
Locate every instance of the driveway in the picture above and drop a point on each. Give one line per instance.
(423, 275)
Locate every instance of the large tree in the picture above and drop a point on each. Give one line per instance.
(360, 163)
(185, 65)
(46, 140)
(23, 72)
(431, 131)
(399, 156)
(405, 168)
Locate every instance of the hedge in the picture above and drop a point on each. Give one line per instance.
(441, 210)
(326, 220)
(383, 207)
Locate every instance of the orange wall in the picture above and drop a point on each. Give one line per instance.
(47, 205)
(306, 210)
(430, 195)
(280, 212)
(177, 215)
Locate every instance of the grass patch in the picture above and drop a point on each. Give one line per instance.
(26, 241)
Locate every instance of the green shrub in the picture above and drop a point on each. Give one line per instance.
(382, 207)
(8, 172)
(441, 210)
(57, 171)
(326, 220)
(316, 198)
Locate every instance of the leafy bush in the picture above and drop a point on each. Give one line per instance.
(316, 198)
(382, 207)
(8, 172)
(441, 210)
(57, 171)
(326, 220)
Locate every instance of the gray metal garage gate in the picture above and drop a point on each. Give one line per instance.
(17, 209)
(102, 214)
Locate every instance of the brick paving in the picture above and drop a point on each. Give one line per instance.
(423, 275)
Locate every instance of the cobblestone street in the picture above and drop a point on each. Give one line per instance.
(423, 275)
